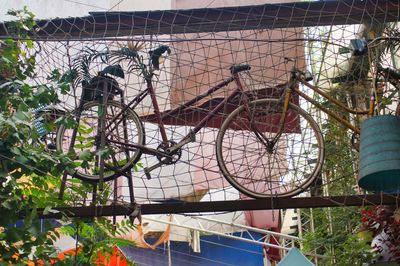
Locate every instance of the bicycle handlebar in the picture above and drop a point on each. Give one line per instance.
(391, 72)
(156, 54)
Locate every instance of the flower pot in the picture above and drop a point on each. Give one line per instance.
(380, 154)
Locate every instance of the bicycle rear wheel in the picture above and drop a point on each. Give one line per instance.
(119, 155)
(259, 172)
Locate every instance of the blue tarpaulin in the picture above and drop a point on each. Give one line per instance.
(215, 251)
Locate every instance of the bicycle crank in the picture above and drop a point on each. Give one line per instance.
(164, 156)
(172, 157)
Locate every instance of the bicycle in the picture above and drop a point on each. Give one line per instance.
(264, 148)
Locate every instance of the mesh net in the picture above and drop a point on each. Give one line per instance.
(326, 38)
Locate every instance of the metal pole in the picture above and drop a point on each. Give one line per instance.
(226, 235)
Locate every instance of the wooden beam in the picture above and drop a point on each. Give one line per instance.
(220, 206)
(267, 16)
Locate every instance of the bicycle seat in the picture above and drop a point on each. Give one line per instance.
(94, 89)
(239, 68)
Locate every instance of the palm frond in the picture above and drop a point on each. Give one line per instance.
(387, 43)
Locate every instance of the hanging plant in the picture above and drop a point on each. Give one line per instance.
(383, 222)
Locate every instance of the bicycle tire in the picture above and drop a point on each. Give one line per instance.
(121, 159)
(289, 169)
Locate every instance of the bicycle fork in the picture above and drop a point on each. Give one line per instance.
(282, 119)
(270, 144)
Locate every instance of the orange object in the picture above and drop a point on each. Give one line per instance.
(116, 259)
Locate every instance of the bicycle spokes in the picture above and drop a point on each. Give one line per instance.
(274, 160)
(115, 156)
(258, 117)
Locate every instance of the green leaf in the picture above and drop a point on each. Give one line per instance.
(121, 242)
(86, 155)
(8, 204)
(103, 153)
(138, 166)
(20, 115)
(29, 43)
(84, 129)
(84, 139)
(84, 146)
(68, 230)
(49, 209)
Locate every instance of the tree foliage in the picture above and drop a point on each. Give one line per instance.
(30, 171)
(335, 230)
(338, 231)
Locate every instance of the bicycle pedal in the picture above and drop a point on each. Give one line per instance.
(147, 173)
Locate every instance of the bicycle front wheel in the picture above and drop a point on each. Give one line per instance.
(121, 135)
(261, 170)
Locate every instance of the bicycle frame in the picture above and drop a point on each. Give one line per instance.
(190, 137)
(334, 115)
(293, 87)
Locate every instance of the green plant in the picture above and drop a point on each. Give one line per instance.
(341, 244)
(29, 172)
(21, 154)
(335, 229)
(97, 237)
(383, 223)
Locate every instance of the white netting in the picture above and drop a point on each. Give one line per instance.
(204, 44)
